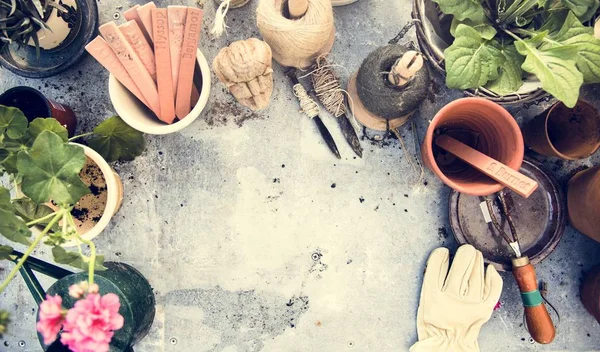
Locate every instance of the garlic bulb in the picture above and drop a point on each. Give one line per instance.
(245, 67)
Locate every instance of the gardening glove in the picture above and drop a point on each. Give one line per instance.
(455, 305)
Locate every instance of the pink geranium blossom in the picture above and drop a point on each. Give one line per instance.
(51, 318)
(89, 325)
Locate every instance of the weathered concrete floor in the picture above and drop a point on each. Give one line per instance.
(256, 238)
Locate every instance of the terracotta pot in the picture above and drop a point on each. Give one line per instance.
(483, 125)
(34, 104)
(590, 292)
(583, 197)
(565, 133)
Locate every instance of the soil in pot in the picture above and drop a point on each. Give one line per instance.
(574, 132)
(88, 211)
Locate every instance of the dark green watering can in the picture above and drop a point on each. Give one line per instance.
(134, 291)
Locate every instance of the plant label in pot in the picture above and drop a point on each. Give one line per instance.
(482, 125)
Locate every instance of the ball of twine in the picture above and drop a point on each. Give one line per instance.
(378, 95)
(297, 42)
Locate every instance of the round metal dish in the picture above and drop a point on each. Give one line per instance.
(539, 220)
(24, 62)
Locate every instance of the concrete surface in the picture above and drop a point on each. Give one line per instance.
(255, 238)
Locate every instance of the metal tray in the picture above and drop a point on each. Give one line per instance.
(540, 220)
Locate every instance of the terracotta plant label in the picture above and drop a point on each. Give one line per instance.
(193, 26)
(102, 52)
(132, 64)
(132, 15)
(177, 15)
(140, 45)
(517, 182)
(145, 14)
(160, 30)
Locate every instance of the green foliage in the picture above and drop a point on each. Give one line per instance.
(5, 252)
(29, 210)
(4, 320)
(116, 140)
(52, 176)
(462, 9)
(11, 226)
(39, 125)
(471, 61)
(46, 166)
(545, 38)
(62, 256)
(12, 122)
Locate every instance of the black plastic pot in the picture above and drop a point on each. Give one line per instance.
(34, 104)
(134, 291)
(24, 62)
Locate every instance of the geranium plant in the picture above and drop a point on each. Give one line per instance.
(498, 41)
(39, 159)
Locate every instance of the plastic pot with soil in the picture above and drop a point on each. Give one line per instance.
(565, 133)
(47, 40)
(34, 104)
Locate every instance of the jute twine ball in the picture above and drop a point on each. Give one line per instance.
(382, 98)
(296, 43)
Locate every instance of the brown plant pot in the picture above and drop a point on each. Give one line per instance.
(583, 196)
(590, 292)
(34, 104)
(483, 125)
(565, 133)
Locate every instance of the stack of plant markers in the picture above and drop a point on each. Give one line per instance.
(154, 56)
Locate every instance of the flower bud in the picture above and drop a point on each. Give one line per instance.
(94, 288)
(76, 291)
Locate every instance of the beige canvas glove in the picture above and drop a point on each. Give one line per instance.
(455, 305)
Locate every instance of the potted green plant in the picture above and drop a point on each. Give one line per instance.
(512, 50)
(40, 38)
(54, 181)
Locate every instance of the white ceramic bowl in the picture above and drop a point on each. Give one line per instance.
(138, 116)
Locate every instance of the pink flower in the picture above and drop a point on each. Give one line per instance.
(498, 305)
(51, 318)
(89, 325)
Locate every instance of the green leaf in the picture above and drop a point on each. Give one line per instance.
(11, 148)
(40, 124)
(5, 252)
(12, 122)
(11, 226)
(50, 170)
(586, 45)
(471, 61)
(61, 256)
(28, 210)
(462, 9)
(116, 140)
(581, 8)
(555, 68)
(510, 77)
(485, 29)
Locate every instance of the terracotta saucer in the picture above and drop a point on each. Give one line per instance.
(539, 220)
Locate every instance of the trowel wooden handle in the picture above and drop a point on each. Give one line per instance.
(297, 8)
(538, 320)
(516, 181)
(405, 68)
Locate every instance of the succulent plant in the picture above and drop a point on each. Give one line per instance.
(20, 20)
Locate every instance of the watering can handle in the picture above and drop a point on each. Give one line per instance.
(42, 267)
